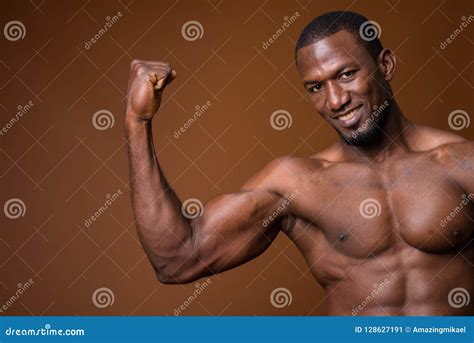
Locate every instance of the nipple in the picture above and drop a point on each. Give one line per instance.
(342, 237)
(456, 233)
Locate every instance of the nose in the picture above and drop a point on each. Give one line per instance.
(337, 97)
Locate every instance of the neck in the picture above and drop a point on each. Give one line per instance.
(394, 141)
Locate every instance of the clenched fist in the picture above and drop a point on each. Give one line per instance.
(146, 83)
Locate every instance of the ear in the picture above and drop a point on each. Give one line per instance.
(387, 64)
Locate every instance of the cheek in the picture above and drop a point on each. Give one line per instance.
(314, 101)
(364, 84)
(369, 89)
(318, 104)
(317, 100)
(374, 88)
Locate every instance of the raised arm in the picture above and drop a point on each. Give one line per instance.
(233, 229)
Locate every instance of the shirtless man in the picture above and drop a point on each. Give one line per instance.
(390, 203)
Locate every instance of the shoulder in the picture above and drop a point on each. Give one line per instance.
(457, 153)
(444, 147)
(438, 141)
(280, 175)
(273, 171)
(331, 155)
(429, 138)
(458, 158)
(460, 148)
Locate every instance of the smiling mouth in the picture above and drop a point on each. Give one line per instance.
(349, 114)
(350, 117)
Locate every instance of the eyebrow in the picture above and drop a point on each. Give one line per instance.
(338, 71)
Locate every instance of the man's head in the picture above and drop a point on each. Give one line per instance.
(347, 72)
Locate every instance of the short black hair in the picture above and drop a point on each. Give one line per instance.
(327, 24)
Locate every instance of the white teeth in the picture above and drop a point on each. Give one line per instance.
(348, 115)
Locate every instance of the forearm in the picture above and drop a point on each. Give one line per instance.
(231, 230)
(161, 226)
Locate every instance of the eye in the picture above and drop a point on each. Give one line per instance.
(315, 88)
(347, 74)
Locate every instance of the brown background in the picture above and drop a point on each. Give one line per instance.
(63, 168)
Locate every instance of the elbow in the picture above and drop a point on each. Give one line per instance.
(180, 267)
(166, 279)
(174, 279)
(171, 275)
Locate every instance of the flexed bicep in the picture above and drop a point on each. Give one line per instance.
(233, 229)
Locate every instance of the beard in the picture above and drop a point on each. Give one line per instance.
(372, 130)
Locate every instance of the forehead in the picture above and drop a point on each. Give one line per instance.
(329, 54)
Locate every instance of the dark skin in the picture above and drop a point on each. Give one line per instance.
(416, 174)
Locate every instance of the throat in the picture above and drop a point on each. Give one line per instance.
(395, 140)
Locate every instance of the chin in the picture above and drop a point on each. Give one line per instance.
(368, 137)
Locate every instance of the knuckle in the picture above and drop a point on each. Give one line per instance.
(141, 70)
(147, 68)
(135, 62)
(165, 66)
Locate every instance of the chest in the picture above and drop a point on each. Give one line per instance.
(362, 211)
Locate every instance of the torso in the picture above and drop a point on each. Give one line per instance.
(398, 255)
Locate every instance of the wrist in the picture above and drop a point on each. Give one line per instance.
(134, 122)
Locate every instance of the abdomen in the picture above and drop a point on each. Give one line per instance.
(407, 282)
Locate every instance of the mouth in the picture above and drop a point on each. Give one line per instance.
(349, 118)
